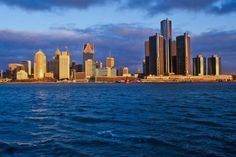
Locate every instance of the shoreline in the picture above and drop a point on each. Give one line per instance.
(125, 80)
(147, 82)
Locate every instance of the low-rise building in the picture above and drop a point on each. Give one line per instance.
(22, 75)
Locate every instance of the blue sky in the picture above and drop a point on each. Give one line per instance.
(117, 25)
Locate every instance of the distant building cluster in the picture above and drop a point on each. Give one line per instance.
(61, 68)
(164, 56)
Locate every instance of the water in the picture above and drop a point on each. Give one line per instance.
(118, 120)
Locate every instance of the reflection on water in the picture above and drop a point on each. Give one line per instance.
(118, 120)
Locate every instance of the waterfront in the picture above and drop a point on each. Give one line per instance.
(185, 119)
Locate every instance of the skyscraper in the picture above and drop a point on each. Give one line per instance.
(173, 54)
(110, 62)
(156, 56)
(39, 65)
(56, 63)
(183, 54)
(166, 32)
(199, 65)
(28, 66)
(214, 65)
(88, 52)
(89, 68)
(147, 53)
(64, 65)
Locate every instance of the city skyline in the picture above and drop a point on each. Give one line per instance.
(51, 25)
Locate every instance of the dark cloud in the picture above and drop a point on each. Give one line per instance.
(123, 40)
(50, 4)
(217, 42)
(151, 7)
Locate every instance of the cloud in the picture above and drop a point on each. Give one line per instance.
(36, 5)
(151, 7)
(124, 40)
(217, 42)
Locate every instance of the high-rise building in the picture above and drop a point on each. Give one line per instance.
(89, 68)
(110, 62)
(166, 32)
(183, 54)
(88, 52)
(28, 66)
(55, 64)
(39, 65)
(199, 65)
(214, 65)
(156, 55)
(174, 58)
(147, 53)
(64, 65)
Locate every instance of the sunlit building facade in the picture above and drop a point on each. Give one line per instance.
(64, 65)
(156, 55)
(89, 68)
(28, 67)
(39, 65)
(166, 32)
(183, 54)
(214, 65)
(199, 65)
(110, 62)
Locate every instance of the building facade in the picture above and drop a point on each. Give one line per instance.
(199, 65)
(39, 65)
(166, 32)
(21, 75)
(28, 66)
(64, 65)
(88, 52)
(156, 55)
(146, 60)
(89, 68)
(183, 47)
(174, 57)
(110, 62)
(214, 65)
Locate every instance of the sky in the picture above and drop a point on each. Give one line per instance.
(116, 26)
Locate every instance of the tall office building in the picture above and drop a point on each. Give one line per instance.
(147, 53)
(174, 58)
(55, 63)
(88, 52)
(166, 32)
(110, 62)
(64, 65)
(156, 55)
(28, 66)
(199, 65)
(214, 65)
(183, 54)
(39, 65)
(89, 68)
